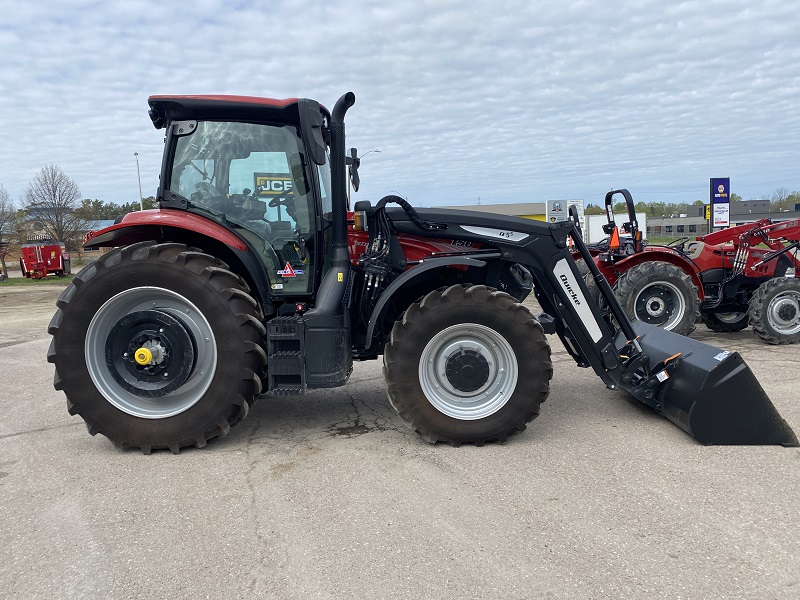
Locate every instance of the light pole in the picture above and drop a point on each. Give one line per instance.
(139, 177)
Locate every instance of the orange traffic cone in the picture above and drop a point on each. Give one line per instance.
(613, 244)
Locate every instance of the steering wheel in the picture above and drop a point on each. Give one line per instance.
(276, 202)
(678, 244)
(287, 203)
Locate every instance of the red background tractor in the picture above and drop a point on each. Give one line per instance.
(728, 279)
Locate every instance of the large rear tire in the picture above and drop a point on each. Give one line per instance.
(726, 322)
(158, 346)
(775, 311)
(661, 294)
(467, 364)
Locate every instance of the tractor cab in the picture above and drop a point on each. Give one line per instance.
(254, 175)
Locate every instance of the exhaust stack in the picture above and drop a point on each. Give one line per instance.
(327, 325)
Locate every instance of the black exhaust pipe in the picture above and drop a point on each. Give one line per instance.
(327, 325)
(339, 176)
(332, 290)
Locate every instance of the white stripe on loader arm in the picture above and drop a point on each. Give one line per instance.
(566, 278)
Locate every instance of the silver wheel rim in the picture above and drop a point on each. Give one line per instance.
(147, 298)
(479, 341)
(783, 313)
(730, 317)
(661, 304)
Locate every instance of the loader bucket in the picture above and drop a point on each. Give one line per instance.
(711, 393)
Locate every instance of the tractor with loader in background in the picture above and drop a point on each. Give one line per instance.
(729, 279)
(253, 277)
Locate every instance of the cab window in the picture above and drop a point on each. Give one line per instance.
(252, 177)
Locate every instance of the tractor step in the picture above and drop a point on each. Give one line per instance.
(288, 390)
(286, 362)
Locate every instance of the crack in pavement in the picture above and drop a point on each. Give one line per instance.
(359, 422)
(39, 430)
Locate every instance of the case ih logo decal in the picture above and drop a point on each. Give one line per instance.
(288, 271)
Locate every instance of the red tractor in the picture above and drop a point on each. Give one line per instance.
(252, 277)
(731, 278)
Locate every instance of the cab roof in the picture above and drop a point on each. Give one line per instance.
(167, 108)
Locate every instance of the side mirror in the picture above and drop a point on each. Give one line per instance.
(311, 123)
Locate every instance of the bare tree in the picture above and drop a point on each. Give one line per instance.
(52, 199)
(779, 201)
(7, 218)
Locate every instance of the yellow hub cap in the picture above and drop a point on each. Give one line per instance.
(143, 356)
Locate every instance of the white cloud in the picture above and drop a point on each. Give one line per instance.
(507, 101)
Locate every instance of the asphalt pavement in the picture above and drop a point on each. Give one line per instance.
(330, 496)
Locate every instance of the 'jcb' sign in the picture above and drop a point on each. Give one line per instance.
(274, 185)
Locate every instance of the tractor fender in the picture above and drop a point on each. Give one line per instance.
(408, 276)
(137, 226)
(668, 256)
(192, 230)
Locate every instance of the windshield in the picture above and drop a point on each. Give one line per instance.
(253, 176)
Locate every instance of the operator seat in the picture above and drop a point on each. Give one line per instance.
(694, 249)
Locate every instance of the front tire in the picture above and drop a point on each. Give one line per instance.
(467, 364)
(775, 311)
(157, 346)
(661, 294)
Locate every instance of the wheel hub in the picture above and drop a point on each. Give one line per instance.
(656, 306)
(156, 352)
(150, 353)
(115, 375)
(660, 304)
(467, 370)
(784, 313)
(787, 312)
(143, 356)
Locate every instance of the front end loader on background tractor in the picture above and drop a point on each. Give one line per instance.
(252, 277)
(722, 278)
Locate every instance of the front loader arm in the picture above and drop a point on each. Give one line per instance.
(708, 392)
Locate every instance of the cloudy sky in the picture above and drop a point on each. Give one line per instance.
(505, 100)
